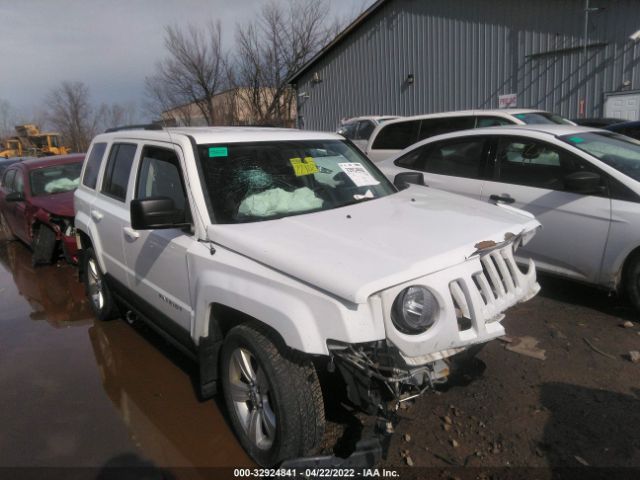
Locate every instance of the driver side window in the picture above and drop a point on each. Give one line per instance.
(523, 161)
(159, 176)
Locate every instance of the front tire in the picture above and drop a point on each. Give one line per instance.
(272, 395)
(100, 297)
(631, 281)
(44, 246)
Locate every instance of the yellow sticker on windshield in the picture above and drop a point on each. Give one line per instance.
(303, 166)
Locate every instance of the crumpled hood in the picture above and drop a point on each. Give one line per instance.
(357, 250)
(60, 204)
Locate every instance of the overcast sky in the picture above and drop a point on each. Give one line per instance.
(111, 45)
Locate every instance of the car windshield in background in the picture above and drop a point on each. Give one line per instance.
(55, 179)
(617, 151)
(249, 182)
(542, 118)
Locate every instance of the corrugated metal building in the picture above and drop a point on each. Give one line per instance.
(409, 57)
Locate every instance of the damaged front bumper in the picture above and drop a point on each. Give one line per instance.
(472, 297)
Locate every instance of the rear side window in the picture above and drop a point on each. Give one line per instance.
(118, 170)
(349, 130)
(365, 130)
(437, 126)
(93, 165)
(458, 159)
(397, 136)
(7, 181)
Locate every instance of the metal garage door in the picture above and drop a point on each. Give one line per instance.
(623, 105)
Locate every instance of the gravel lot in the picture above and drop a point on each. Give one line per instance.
(81, 393)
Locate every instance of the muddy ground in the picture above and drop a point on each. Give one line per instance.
(80, 393)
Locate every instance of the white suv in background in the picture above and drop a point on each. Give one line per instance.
(391, 137)
(263, 253)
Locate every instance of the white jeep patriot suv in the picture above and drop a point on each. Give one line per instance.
(264, 253)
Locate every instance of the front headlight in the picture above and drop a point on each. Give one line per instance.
(414, 310)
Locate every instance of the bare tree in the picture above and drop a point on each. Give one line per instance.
(192, 74)
(71, 113)
(115, 115)
(7, 119)
(282, 39)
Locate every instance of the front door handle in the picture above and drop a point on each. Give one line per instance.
(131, 233)
(96, 215)
(502, 198)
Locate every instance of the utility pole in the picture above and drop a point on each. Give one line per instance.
(585, 42)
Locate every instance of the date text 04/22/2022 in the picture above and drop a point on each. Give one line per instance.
(315, 473)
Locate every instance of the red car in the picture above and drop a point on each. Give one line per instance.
(36, 205)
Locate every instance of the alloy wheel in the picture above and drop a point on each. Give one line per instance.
(251, 397)
(95, 284)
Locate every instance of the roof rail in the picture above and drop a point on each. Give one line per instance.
(146, 126)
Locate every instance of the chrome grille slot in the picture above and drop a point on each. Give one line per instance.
(491, 272)
(484, 288)
(461, 304)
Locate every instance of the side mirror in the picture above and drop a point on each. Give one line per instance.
(402, 180)
(155, 213)
(14, 197)
(583, 182)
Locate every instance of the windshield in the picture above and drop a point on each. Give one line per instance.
(617, 151)
(250, 182)
(55, 179)
(542, 118)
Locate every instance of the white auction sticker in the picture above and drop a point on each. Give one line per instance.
(358, 174)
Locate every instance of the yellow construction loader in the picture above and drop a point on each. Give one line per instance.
(29, 141)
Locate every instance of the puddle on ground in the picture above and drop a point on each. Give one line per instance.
(77, 392)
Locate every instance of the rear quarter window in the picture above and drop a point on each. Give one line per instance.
(431, 127)
(397, 136)
(93, 165)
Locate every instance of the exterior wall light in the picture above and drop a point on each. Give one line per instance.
(410, 79)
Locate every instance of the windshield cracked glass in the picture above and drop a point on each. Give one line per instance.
(249, 182)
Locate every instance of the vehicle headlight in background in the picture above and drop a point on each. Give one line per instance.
(414, 310)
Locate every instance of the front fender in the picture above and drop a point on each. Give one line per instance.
(304, 317)
(84, 224)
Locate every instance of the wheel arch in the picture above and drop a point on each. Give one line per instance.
(626, 264)
(222, 318)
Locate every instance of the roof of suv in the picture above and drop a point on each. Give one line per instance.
(504, 112)
(552, 130)
(375, 118)
(204, 135)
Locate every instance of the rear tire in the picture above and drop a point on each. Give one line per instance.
(272, 395)
(100, 297)
(44, 246)
(631, 281)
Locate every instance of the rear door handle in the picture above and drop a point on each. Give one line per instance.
(96, 215)
(502, 198)
(131, 233)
